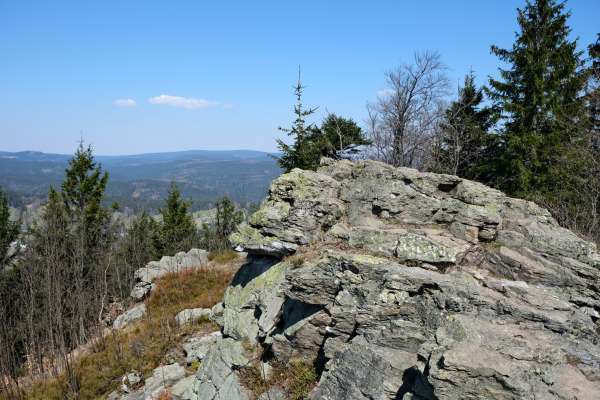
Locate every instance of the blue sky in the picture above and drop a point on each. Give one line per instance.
(219, 74)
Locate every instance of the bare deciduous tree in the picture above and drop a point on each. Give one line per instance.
(403, 120)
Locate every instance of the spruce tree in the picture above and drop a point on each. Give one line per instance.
(9, 232)
(299, 154)
(82, 192)
(465, 139)
(177, 231)
(539, 99)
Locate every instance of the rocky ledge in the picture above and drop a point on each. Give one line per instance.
(398, 284)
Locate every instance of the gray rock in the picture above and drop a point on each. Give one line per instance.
(184, 389)
(355, 373)
(114, 395)
(195, 258)
(216, 314)
(133, 314)
(414, 285)
(141, 290)
(131, 381)
(162, 378)
(192, 316)
(274, 393)
(253, 300)
(216, 379)
(196, 347)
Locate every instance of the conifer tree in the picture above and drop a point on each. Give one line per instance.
(177, 231)
(227, 218)
(299, 154)
(465, 139)
(539, 99)
(9, 232)
(82, 192)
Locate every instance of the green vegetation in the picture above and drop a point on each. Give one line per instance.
(533, 132)
(465, 144)
(216, 237)
(177, 231)
(310, 142)
(539, 96)
(78, 261)
(547, 146)
(9, 232)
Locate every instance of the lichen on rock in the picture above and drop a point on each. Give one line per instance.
(416, 286)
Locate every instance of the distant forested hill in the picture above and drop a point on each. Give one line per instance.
(141, 181)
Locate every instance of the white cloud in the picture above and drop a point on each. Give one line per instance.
(189, 103)
(124, 103)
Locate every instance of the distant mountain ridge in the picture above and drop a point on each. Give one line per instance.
(141, 181)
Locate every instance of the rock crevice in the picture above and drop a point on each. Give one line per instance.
(399, 284)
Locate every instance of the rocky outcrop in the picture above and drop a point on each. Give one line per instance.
(195, 258)
(196, 347)
(398, 284)
(133, 314)
(216, 379)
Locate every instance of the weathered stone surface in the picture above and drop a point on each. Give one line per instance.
(184, 389)
(192, 315)
(216, 379)
(196, 347)
(162, 378)
(253, 300)
(216, 314)
(141, 290)
(410, 285)
(300, 205)
(129, 316)
(195, 258)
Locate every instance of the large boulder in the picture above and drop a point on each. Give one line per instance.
(399, 284)
(157, 384)
(195, 258)
(216, 378)
(133, 314)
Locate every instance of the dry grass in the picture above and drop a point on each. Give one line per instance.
(297, 378)
(165, 395)
(188, 289)
(142, 346)
(223, 256)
